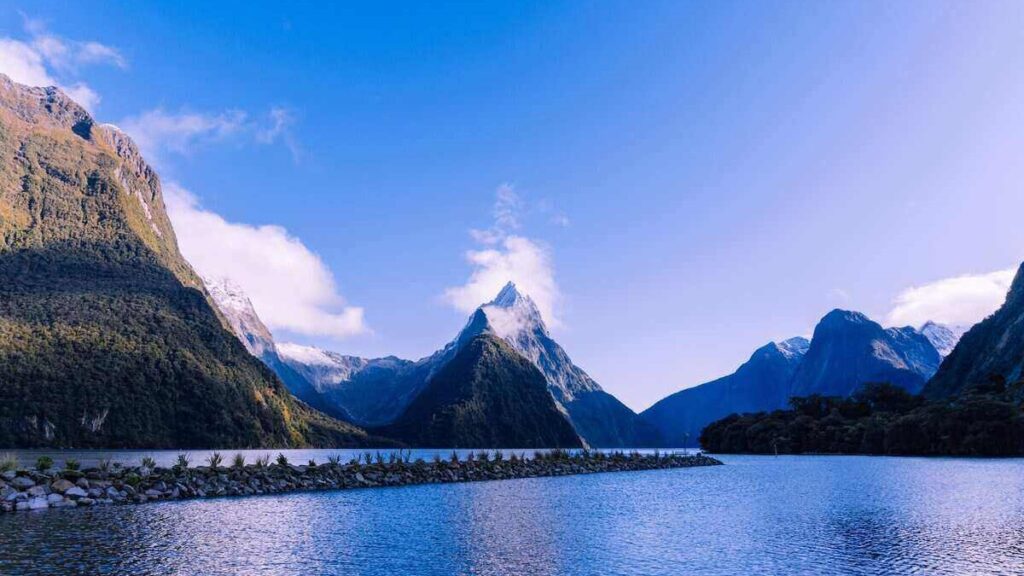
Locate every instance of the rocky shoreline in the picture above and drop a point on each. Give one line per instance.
(111, 483)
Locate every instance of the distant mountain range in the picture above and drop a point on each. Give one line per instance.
(846, 351)
(376, 392)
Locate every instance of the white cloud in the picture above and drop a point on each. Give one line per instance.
(963, 300)
(289, 285)
(48, 60)
(281, 122)
(158, 131)
(508, 257)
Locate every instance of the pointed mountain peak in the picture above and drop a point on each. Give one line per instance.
(509, 296)
(513, 312)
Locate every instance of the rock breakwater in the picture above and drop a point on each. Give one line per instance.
(111, 484)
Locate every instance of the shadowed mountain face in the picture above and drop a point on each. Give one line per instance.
(848, 350)
(106, 334)
(992, 348)
(485, 396)
(371, 391)
(762, 383)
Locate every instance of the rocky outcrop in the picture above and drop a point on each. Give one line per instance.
(32, 490)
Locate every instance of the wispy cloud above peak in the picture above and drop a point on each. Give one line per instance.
(160, 133)
(505, 255)
(46, 59)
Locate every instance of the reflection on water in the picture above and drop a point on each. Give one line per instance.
(807, 515)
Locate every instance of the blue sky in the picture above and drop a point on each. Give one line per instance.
(680, 182)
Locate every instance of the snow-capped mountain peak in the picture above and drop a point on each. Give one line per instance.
(512, 313)
(943, 337)
(794, 347)
(237, 309)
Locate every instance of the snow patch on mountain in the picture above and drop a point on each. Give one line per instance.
(309, 355)
(942, 336)
(237, 309)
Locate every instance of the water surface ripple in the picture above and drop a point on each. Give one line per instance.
(756, 515)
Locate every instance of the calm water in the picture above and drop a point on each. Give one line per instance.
(786, 515)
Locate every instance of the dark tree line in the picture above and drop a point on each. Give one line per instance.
(985, 420)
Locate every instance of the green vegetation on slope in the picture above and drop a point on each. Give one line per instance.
(487, 396)
(106, 337)
(985, 420)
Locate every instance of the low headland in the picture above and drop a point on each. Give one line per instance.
(111, 483)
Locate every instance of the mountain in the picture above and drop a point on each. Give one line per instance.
(372, 391)
(599, 418)
(762, 383)
(237, 310)
(486, 396)
(848, 350)
(943, 338)
(107, 336)
(992, 348)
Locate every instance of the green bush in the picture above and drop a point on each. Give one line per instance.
(44, 463)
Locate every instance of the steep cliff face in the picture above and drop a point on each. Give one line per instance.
(760, 384)
(994, 348)
(485, 396)
(107, 337)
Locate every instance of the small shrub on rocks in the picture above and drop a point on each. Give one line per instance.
(215, 460)
(72, 464)
(148, 462)
(282, 460)
(238, 461)
(44, 463)
(263, 461)
(183, 461)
